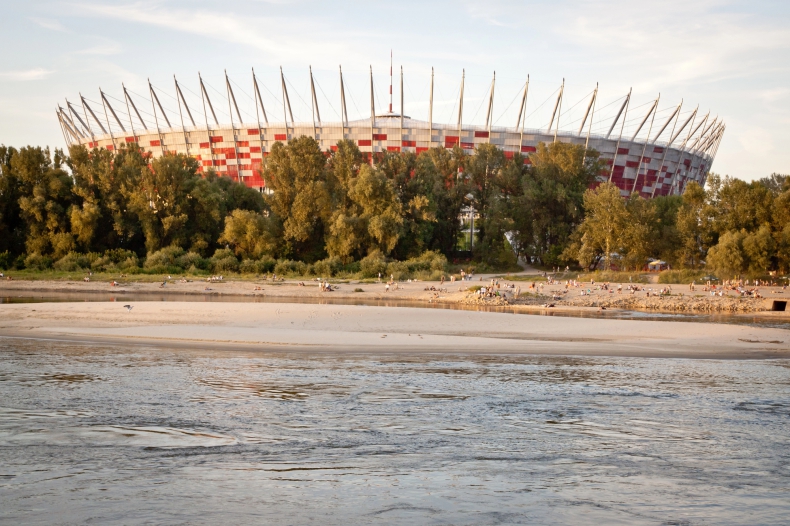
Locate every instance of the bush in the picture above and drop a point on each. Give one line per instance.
(5, 260)
(358, 290)
(287, 267)
(614, 277)
(116, 259)
(38, 262)
(74, 261)
(193, 260)
(224, 260)
(257, 266)
(373, 264)
(683, 277)
(165, 259)
(326, 267)
(429, 260)
(398, 270)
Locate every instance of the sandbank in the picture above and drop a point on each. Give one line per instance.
(293, 327)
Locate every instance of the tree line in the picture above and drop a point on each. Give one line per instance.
(342, 209)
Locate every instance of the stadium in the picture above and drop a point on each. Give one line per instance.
(659, 158)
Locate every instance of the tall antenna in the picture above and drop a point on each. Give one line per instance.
(390, 81)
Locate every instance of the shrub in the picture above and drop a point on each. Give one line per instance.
(372, 264)
(287, 267)
(684, 277)
(38, 262)
(327, 267)
(73, 261)
(257, 266)
(398, 270)
(116, 259)
(358, 290)
(164, 259)
(5, 260)
(614, 277)
(429, 260)
(224, 260)
(193, 259)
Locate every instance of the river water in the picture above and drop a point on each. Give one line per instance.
(97, 433)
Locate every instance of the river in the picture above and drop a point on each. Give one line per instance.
(97, 433)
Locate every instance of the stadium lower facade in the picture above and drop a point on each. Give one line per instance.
(239, 149)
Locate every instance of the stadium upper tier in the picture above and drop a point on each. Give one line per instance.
(671, 151)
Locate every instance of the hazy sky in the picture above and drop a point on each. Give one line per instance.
(731, 58)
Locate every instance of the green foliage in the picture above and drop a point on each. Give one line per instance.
(611, 276)
(373, 264)
(684, 276)
(342, 213)
(36, 261)
(288, 267)
(328, 267)
(223, 261)
(74, 261)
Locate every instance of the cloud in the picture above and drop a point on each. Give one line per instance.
(279, 42)
(29, 74)
(49, 23)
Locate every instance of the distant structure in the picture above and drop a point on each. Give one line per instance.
(648, 165)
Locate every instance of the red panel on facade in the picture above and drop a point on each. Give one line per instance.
(230, 155)
(393, 148)
(632, 164)
(243, 155)
(622, 151)
(508, 155)
(379, 136)
(255, 149)
(156, 143)
(528, 149)
(204, 145)
(658, 149)
(333, 148)
(421, 149)
(409, 143)
(280, 137)
(131, 139)
(481, 134)
(216, 138)
(687, 162)
(364, 142)
(646, 160)
(618, 170)
(243, 143)
(109, 147)
(252, 132)
(468, 145)
(450, 139)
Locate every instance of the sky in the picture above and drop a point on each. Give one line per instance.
(728, 58)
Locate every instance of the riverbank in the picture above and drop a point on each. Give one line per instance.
(544, 296)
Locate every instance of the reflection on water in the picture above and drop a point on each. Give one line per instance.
(106, 434)
(754, 321)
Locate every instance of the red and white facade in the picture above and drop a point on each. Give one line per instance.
(239, 149)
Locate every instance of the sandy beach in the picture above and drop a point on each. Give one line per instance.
(292, 327)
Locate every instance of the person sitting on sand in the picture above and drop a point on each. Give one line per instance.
(387, 287)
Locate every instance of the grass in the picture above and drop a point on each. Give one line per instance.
(611, 276)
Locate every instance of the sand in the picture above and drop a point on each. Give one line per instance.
(291, 327)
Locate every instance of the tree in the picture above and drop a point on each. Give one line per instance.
(300, 200)
(249, 233)
(693, 226)
(727, 257)
(601, 234)
(639, 232)
(554, 190)
(44, 202)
